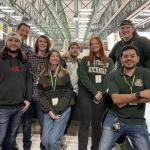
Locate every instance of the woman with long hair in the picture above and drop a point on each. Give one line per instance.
(56, 98)
(93, 72)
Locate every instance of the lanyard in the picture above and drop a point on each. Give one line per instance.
(53, 81)
(130, 85)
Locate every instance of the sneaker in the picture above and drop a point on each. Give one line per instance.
(63, 143)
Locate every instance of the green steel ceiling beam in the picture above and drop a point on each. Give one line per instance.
(111, 13)
(28, 10)
(52, 35)
(64, 30)
(95, 9)
(62, 14)
(126, 13)
(76, 15)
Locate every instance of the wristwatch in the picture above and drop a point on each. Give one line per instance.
(138, 95)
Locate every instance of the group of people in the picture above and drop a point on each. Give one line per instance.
(41, 79)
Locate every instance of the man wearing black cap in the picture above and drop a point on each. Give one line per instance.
(129, 36)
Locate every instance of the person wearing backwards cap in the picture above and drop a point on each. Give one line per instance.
(129, 36)
(15, 89)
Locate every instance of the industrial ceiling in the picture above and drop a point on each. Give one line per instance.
(75, 19)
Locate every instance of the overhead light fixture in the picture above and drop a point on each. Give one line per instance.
(81, 35)
(82, 29)
(136, 19)
(4, 7)
(83, 25)
(32, 27)
(81, 40)
(135, 22)
(41, 33)
(83, 21)
(36, 30)
(17, 17)
(144, 14)
(148, 11)
(30, 24)
(8, 10)
(85, 13)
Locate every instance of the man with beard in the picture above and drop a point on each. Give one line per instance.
(15, 89)
(70, 61)
(23, 30)
(129, 88)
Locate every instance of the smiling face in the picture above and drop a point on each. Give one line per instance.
(13, 44)
(126, 32)
(74, 51)
(95, 47)
(129, 59)
(54, 58)
(42, 44)
(23, 32)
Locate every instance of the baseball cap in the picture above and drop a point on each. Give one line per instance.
(126, 22)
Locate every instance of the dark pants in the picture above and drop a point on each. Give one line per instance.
(89, 114)
(27, 122)
(74, 115)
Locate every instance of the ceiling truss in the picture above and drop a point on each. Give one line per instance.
(55, 18)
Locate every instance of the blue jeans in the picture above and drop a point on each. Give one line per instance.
(53, 130)
(27, 122)
(138, 134)
(9, 123)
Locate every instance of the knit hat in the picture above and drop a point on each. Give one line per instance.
(126, 22)
(13, 35)
(73, 43)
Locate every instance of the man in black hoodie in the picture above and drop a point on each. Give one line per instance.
(15, 89)
(129, 36)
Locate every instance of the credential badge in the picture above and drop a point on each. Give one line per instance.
(138, 82)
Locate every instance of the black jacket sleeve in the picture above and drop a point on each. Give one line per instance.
(28, 80)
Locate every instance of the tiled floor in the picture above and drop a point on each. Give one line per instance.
(72, 141)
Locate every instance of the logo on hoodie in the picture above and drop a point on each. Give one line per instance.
(15, 69)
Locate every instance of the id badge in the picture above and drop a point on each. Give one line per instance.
(132, 104)
(55, 101)
(98, 79)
